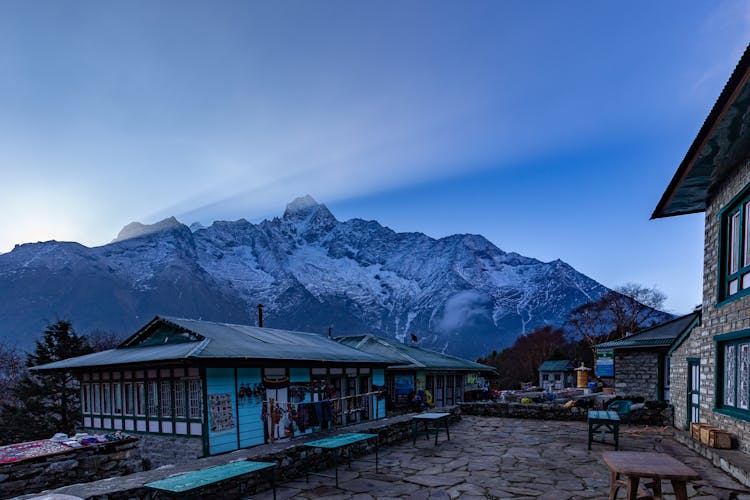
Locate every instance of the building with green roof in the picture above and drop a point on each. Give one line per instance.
(639, 363)
(411, 368)
(195, 388)
(557, 374)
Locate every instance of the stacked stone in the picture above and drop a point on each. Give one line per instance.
(116, 458)
(650, 415)
(637, 373)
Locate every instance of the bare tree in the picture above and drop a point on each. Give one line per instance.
(102, 340)
(619, 312)
(12, 368)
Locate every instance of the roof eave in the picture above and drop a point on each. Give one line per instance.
(725, 101)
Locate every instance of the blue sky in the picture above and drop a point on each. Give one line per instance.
(552, 128)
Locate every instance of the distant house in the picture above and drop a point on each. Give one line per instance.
(557, 374)
(195, 388)
(447, 377)
(711, 366)
(641, 360)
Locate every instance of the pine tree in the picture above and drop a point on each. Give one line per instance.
(48, 402)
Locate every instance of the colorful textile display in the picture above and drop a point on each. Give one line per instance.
(31, 449)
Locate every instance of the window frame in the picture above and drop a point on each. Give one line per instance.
(722, 342)
(737, 247)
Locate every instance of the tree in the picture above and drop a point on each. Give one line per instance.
(627, 309)
(11, 370)
(618, 312)
(102, 340)
(48, 402)
(520, 362)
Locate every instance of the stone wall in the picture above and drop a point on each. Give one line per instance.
(637, 373)
(157, 450)
(79, 465)
(730, 317)
(550, 411)
(293, 457)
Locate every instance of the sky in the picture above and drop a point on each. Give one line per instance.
(551, 128)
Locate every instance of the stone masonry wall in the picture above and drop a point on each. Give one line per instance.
(694, 346)
(547, 411)
(293, 457)
(77, 466)
(728, 318)
(156, 450)
(637, 373)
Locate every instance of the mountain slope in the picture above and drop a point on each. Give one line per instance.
(460, 294)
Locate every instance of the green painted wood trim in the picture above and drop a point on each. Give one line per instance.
(735, 203)
(689, 415)
(204, 397)
(660, 378)
(726, 337)
(738, 414)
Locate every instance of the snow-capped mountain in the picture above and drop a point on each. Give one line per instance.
(460, 294)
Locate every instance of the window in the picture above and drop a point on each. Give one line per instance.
(734, 363)
(153, 399)
(97, 399)
(106, 398)
(166, 403)
(195, 398)
(117, 398)
(128, 387)
(140, 399)
(85, 397)
(735, 249)
(545, 376)
(179, 398)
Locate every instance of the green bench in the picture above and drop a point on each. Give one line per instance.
(604, 422)
(182, 485)
(337, 443)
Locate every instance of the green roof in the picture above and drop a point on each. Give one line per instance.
(663, 334)
(557, 365)
(170, 339)
(408, 357)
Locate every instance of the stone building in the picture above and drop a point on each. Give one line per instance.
(196, 388)
(641, 360)
(412, 368)
(557, 374)
(711, 366)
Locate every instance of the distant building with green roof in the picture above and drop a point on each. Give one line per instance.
(557, 374)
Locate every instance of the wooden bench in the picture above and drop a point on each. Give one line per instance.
(182, 485)
(637, 465)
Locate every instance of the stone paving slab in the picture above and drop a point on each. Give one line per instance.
(493, 458)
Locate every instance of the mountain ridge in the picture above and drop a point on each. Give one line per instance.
(459, 294)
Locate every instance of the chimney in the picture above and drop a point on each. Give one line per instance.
(260, 315)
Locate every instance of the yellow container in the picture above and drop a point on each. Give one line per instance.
(582, 376)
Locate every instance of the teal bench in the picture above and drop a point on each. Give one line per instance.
(182, 485)
(604, 422)
(337, 443)
(430, 422)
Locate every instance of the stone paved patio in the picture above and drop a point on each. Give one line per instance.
(505, 458)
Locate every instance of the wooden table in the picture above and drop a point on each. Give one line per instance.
(182, 485)
(336, 443)
(604, 422)
(431, 422)
(657, 466)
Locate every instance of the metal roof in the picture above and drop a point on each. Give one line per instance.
(663, 334)
(721, 145)
(557, 365)
(407, 357)
(181, 339)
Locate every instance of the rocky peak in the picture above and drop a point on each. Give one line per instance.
(137, 230)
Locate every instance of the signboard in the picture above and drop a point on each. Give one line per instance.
(403, 387)
(605, 363)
